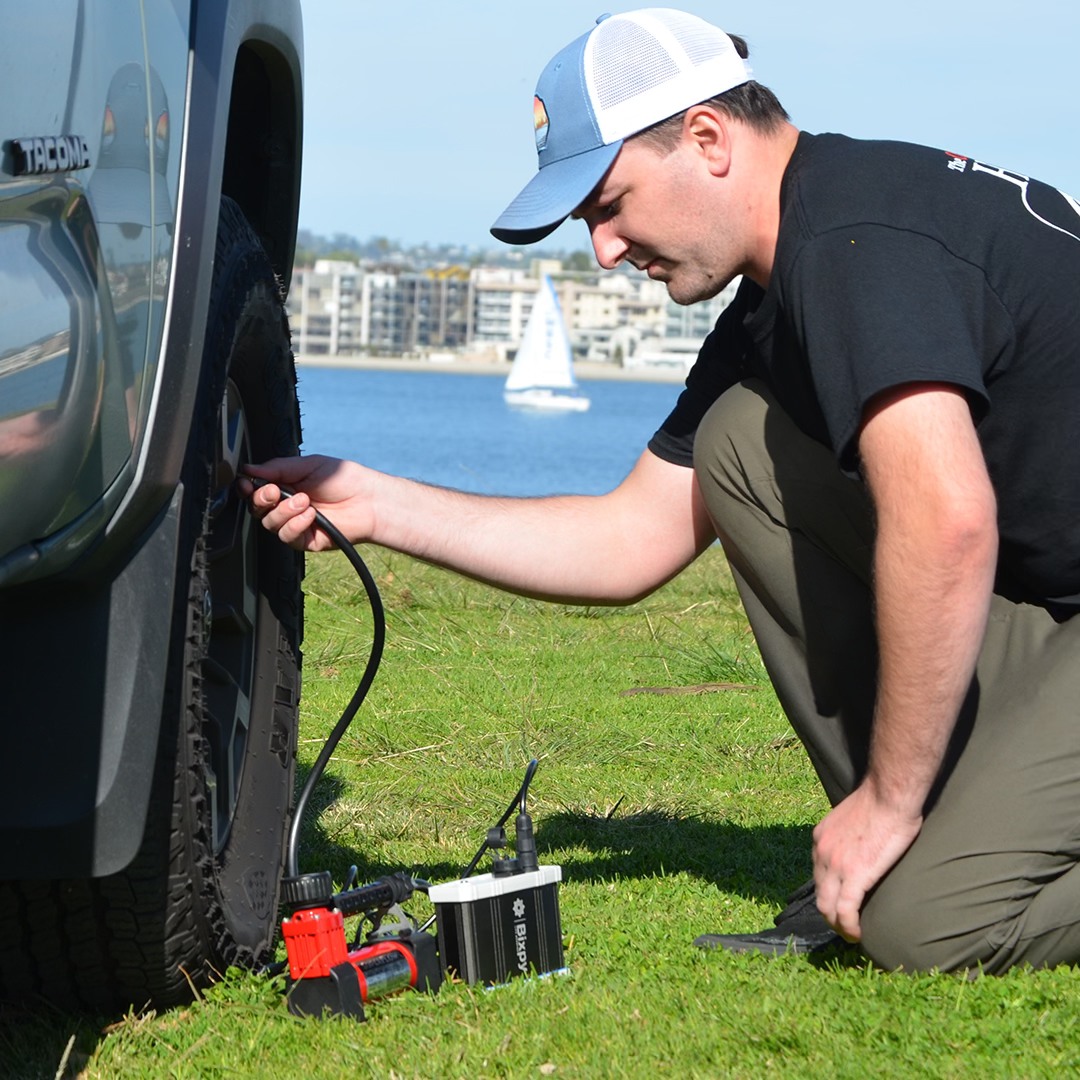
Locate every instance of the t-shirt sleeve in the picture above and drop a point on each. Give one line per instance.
(875, 308)
(720, 363)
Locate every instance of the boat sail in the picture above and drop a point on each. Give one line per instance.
(542, 375)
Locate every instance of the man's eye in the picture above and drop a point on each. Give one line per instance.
(606, 213)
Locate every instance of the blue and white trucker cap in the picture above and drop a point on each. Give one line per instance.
(629, 72)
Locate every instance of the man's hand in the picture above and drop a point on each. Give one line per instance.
(339, 489)
(855, 845)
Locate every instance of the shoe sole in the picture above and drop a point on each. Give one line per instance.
(770, 944)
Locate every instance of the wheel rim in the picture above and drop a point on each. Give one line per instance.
(231, 618)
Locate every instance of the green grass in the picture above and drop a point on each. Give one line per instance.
(670, 814)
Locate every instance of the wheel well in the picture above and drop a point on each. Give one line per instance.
(263, 148)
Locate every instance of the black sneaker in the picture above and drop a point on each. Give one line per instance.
(800, 928)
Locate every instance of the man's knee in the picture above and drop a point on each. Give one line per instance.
(758, 471)
(729, 438)
(917, 924)
(734, 466)
(905, 932)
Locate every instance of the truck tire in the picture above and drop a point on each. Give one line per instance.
(201, 894)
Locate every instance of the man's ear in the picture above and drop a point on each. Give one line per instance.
(709, 132)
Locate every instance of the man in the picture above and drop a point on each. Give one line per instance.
(880, 432)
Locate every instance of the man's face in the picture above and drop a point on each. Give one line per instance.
(651, 211)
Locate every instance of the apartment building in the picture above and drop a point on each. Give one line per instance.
(341, 308)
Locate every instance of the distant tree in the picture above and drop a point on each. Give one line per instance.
(580, 262)
(305, 256)
(343, 242)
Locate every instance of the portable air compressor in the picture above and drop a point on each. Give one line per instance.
(490, 928)
(324, 973)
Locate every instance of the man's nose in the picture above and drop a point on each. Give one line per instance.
(609, 246)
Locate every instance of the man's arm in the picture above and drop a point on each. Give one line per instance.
(934, 562)
(611, 548)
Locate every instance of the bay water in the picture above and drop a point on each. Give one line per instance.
(455, 430)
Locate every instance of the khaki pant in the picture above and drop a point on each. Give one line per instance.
(993, 878)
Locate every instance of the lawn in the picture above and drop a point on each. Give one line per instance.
(676, 801)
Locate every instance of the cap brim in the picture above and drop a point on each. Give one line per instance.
(552, 195)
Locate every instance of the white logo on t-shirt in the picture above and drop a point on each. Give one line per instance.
(1061, 206)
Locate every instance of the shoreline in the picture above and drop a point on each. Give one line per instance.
(585, 370)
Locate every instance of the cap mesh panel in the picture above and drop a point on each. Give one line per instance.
(700, 44)
(614, 81)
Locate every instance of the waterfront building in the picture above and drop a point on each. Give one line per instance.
(343, 308)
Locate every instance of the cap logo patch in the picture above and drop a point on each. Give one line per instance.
(540, 123)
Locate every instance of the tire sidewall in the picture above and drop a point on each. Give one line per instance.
(233, 899)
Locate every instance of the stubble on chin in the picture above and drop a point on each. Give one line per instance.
(700, 287)
(687, 293)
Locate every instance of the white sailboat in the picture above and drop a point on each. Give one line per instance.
(542, 375)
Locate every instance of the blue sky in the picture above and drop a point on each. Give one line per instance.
(418, 119)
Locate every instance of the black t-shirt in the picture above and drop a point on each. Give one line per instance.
(898, 263)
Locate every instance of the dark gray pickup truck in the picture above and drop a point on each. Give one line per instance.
(149, 635)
